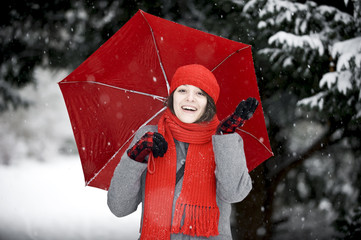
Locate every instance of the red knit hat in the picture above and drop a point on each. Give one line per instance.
(198, 76)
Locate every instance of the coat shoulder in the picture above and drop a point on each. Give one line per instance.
(147, 128)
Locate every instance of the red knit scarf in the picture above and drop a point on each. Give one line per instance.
(197, 200)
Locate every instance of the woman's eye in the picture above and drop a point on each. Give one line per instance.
(201, 94)
(181, 90)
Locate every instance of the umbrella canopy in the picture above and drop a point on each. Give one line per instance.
(123, 85)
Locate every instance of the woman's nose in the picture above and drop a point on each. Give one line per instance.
(190, 97)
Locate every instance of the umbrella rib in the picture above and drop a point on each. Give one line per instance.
(230, 55)
(162, 99)
(256, 140)
(157, 50)
(105, 165)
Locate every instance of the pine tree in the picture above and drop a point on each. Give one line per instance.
(299, 46)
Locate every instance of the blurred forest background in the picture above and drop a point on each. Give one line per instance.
(307, 56)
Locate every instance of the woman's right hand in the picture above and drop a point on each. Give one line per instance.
(150, 142)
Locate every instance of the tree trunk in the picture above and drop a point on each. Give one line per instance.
(252, 218)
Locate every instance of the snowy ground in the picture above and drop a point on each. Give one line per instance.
(49, 201)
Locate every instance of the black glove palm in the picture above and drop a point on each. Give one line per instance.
(150, 142)
(244, 111)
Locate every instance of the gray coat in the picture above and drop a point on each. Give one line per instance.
(127, 187)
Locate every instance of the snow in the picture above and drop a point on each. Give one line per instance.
(285, 14)
(313, 101)
(287, 62)
(344, 60)
(346, 50)
(292, 40)
(284, 6)
(339, 16)
(249, 5)
(261, 25)
(328, 79)
(43, 194)
(49, 201)
(341, 79)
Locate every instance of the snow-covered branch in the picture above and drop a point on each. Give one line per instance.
(289, 40)
(345, 51)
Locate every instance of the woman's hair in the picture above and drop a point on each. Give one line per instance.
(208, 114)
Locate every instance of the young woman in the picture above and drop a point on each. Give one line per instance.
(189, 168)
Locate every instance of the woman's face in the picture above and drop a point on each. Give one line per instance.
(189, 103)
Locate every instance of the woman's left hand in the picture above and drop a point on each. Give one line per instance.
(244, 111)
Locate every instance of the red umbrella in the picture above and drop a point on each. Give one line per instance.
(122, 86)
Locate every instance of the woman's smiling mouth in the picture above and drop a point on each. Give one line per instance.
(189, 108)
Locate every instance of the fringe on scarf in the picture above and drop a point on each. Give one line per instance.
(198, 220)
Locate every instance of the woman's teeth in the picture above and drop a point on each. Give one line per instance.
(188, 108)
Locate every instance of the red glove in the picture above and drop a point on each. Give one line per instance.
(243, 112)
(150, 142)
